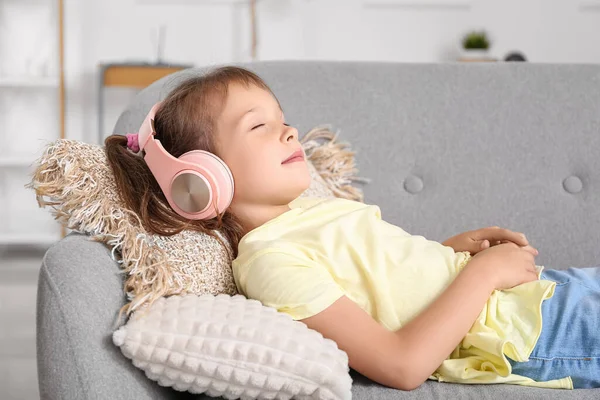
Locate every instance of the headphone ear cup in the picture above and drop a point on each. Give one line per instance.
(217, 175)
(191, 192)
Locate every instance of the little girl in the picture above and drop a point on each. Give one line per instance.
(473, 309)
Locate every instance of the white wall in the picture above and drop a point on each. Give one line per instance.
(217, 31)
(206, 32)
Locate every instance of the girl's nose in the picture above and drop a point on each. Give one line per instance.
(290, 133)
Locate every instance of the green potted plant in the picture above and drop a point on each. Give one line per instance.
(476, 45)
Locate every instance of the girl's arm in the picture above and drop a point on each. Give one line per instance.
(404, 359)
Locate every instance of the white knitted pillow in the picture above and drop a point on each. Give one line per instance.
(235, 348)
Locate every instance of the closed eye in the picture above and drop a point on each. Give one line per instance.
(257, 126)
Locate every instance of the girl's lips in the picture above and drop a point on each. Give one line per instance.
(296, 156)
(293, 160)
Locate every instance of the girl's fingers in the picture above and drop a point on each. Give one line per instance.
(531, 250)
(497, 234)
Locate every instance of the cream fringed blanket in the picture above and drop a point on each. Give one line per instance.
(74, 179)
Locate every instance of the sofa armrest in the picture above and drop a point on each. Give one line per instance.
(80, 291)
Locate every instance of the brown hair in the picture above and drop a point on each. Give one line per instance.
(185, 121)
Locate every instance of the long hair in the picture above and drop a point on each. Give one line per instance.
(185, 121)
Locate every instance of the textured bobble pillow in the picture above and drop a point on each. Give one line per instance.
(235, 348)
(75, 180)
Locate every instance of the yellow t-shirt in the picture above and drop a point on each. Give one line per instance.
(304, 260)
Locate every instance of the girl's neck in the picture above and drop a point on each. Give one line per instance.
(254, 215)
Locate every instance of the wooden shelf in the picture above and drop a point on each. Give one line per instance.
(131, 75)
(136, 76)
(12, 163)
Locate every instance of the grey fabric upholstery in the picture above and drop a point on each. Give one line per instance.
(448, 148)
(80, 288)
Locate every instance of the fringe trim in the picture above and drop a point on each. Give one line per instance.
(334, 161)
(62, 182)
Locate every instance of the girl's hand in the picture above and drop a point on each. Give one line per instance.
(507, 264)
(484, 238)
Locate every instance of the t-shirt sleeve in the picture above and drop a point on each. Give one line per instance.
(291, 284)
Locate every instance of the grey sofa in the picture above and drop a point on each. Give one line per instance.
(448, 148)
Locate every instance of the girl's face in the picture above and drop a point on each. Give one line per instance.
(256, 144)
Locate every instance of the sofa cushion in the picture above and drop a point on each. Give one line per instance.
(233, 347)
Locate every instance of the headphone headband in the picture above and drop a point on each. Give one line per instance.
(147, 131)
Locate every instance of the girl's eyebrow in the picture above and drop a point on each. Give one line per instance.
(249, 111)
(253, 109)
(244, 114)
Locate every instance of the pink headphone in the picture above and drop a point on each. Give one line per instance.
(197, 185)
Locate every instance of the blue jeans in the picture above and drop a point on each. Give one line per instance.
(569, 344)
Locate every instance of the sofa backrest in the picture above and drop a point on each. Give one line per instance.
(454, 147)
